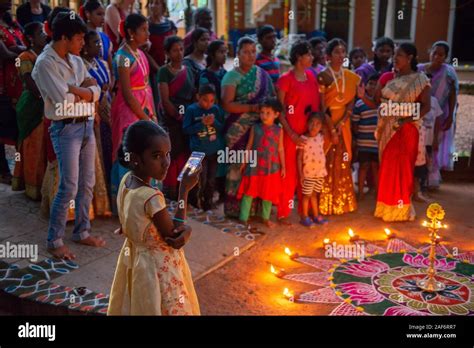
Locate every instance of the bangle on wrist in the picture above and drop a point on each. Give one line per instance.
(179, 220)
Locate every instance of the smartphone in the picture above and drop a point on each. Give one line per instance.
(192, 163)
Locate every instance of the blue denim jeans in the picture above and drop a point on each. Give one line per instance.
(75, 148)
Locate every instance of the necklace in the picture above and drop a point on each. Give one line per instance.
(201, 62)
(98, 71)
(340, 93)
(141, 65)
(303, 78)
(174, 70)
(142, 181)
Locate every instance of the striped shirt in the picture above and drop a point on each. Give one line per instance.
(270, 64)
(365, 118)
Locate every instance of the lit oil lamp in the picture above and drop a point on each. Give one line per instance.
(291, 254)
(278, 273)
(289, 295)
(389, 233)
(326, 241)
(352, 236)
(430, 283)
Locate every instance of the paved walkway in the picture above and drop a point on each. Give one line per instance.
(92, 271)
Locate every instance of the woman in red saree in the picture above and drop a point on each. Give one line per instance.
(298, 91)
(11, 45)
(398, 136)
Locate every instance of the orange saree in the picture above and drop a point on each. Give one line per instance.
(337, 196)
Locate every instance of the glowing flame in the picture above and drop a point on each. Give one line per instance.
(272, 269)
(288, 251)
(287, 293)
(326, 241)
(351, 233)
(387, 232)
(445, 226)
(425, 223)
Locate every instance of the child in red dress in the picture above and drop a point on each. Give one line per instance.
(262, 179)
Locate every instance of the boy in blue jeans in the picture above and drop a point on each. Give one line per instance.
(69, 94)
(203, 122)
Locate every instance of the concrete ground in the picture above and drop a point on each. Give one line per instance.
(229, 283)
(21, 223)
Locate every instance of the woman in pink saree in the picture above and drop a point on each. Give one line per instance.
(134, 98)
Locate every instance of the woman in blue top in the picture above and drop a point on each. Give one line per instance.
(93, 14)
(102, 124)
(215, 71)
(99, 71)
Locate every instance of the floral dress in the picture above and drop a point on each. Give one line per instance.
(151, 278)
(264, 179)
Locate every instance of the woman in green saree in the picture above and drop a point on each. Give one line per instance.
(243, 89)
(31, 166)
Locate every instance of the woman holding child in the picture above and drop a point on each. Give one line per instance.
(298, 91)
(243, 89)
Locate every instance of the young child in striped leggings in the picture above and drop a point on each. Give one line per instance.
(312, 170)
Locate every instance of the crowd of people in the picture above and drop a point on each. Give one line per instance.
(157, 97)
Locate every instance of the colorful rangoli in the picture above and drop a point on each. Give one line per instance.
(35, 283)
(385, 282)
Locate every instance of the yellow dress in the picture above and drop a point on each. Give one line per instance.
(337, 196)
(151, 278)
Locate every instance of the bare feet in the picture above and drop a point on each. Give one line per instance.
(284, 221)
(92, 241)
(249, 227)
(245, 223)
(418, 197)
(62, 253)
(268, 223)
